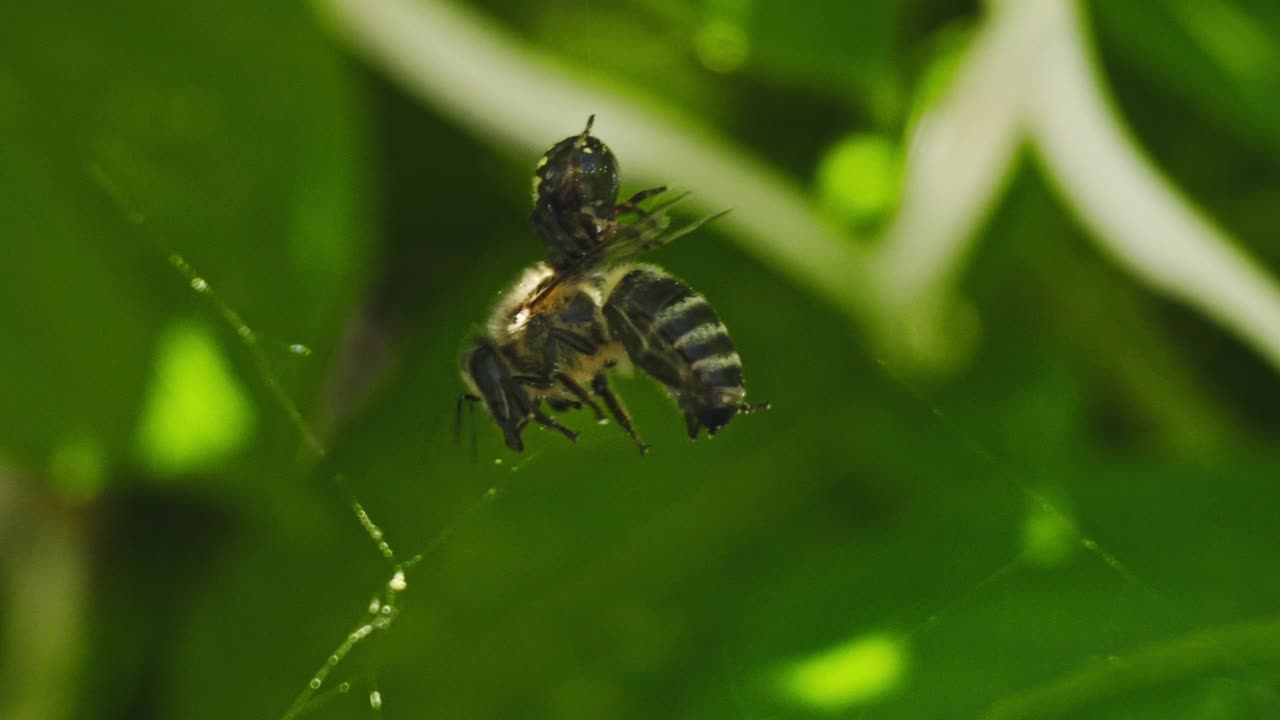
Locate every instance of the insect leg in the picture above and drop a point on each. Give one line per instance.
(579, 392)
(600, 384)
(546, 420)
(559, 404)
(457, 416)
(631, 204)
(472, 401)
(534, 382)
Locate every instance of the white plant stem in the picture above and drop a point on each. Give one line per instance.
(1133, 212)
(1027, 78)
(490, 84)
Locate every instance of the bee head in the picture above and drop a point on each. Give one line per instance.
(490, 378)
(579, 172)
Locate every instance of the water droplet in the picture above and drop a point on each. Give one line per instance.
(386, 609)
(334, 659)
(199, 285)
(1089, 544)
(244, 331)
(299, 349)
(602, 421)
(375, 605)
(491, 493)
(497, 461)
(397, 581)
(314, 684)
(344, 687)
(375, 700)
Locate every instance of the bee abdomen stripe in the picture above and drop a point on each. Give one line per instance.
(693, 315)
(716, 362)
(676, 309)
(648, 293)
(704, 341)
(719, 370)
(699, 335)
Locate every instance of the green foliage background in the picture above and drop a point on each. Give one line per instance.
(316, 198)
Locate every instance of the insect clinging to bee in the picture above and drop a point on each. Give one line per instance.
(588, 309)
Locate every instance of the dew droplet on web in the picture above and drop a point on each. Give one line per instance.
(375, 700)
(199, 285)
(300, 349)
(375, 605)
(314, 684)
(397, 581)
(344, 687)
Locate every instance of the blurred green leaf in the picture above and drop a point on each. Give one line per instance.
(1222, 56)
(196, 412)
(843, 47)
(1092, 486)
(223, 133)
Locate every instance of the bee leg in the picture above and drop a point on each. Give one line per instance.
(631, 204)
(752, 407)
(692, 423)
(457, 415)
(600, 384)
(546, 420)
(581, 393)
(471, 401)
(533, 382)
(563, 405)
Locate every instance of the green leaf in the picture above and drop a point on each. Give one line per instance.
(1220, 55)
(221, 132)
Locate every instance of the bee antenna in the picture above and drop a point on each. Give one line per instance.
(469, 400)
(475, 437)
(457, 420)
(591, 120)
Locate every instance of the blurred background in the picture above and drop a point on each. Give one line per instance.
(1005, 270)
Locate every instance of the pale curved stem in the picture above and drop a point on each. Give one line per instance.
(1134, 213)
(960, 156)
(487, 81)
(1026, 76)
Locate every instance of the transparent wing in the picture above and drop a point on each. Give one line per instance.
(651, 230)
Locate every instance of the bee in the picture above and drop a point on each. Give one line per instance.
(588, 309)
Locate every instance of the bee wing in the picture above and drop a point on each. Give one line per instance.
(653, 230)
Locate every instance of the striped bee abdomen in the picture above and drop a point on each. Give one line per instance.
(672, 333)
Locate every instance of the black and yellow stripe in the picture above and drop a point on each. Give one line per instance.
(672, 333)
